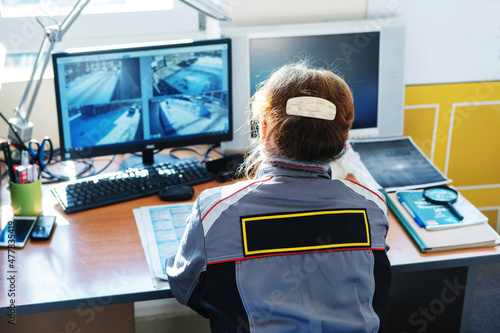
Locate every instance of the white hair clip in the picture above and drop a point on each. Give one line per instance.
(313, 107)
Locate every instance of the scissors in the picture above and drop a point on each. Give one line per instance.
(37, 152)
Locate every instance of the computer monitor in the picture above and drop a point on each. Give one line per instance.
(368, 54)
(143, 99)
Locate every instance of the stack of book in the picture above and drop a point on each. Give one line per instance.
(441, 230)
(401, 170)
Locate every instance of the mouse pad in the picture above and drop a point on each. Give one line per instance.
(223, 169)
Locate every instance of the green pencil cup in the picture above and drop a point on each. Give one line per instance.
(26, 199)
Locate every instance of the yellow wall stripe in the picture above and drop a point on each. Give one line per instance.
(464, 142)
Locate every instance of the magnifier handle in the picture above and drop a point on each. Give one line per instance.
(454, 211)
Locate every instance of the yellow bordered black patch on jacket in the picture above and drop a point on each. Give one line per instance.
(305, 231)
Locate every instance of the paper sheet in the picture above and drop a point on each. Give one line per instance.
(161, 229)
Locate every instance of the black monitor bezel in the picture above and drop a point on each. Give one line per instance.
(151, 144)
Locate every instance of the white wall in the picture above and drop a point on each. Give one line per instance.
(447, 41)
(44, 115)
(268, 12)
(88, 30)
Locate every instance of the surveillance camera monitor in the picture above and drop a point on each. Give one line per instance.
(143, 99)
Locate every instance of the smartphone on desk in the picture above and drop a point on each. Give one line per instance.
(16, 232)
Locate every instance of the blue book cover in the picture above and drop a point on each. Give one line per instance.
(433, 216)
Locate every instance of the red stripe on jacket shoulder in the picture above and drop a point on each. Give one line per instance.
(366, 188)
(239, 190)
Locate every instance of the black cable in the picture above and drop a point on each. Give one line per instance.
(102, 169)
(212, 148)
(204, 153)
(54, 178)
(50, 176)
(188, 149)
(88, 171)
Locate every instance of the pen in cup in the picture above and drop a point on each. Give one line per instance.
(8, 160)
(26, 172)
(25, 158)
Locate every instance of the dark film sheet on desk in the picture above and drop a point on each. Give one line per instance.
(398, 164)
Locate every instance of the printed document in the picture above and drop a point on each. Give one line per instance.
(161, 229)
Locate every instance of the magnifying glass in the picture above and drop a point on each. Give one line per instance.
(442, 195)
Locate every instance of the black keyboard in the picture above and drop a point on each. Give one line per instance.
(134, 183)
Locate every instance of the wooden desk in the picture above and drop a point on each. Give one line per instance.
(95, 259)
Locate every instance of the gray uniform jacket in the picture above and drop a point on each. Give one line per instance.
(290, 251)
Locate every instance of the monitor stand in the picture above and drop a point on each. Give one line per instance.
(147, 158)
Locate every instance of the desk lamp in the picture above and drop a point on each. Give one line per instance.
(53, 34)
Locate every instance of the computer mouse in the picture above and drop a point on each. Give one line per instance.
(176, 193)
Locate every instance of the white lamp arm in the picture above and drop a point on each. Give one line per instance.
(68, 21)
(53, 34)
(21, 113)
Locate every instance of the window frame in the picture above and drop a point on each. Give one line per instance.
(25, 34)
(54, 8)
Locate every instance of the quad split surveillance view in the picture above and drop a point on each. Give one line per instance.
(183, 93)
